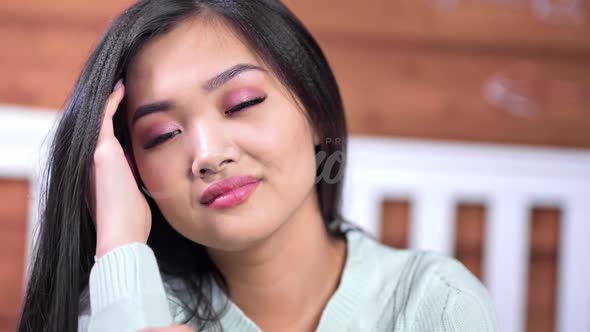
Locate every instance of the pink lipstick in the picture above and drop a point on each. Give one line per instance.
(229, 192)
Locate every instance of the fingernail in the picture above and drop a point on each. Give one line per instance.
(118, 85)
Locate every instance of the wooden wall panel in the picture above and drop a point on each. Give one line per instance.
(514, 23)
(422, 93)
(13, 221)
(45, 45)
(64, 10)
(395, 223)
(432, 91)
(42, 62)
(542, 279)
(470, 235)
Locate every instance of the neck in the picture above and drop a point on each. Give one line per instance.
(284, 282)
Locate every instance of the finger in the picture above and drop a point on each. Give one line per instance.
(171, 328)
(110, 108)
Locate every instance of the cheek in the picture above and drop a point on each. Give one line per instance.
(286, 149)
(160, 174)
(299, 162)
(162, 178)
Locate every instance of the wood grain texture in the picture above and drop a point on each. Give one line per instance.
(500, 24)
(542, 279)
(395, 223)
(451, 95)
(390, 88)
(13, 221)
(88, 11)
(470, 235)
(42, 62)
(45, 45)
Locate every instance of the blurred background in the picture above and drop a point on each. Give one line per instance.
(472, 82)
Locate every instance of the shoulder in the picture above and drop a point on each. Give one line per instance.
(425, 290)
(466, 304)
(443, 295)
(413, 267)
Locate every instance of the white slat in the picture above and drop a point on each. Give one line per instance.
(433, 222)
(573, 313)
(506, 258)
(362, 205)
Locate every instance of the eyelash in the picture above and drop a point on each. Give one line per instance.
(245, 104)
(162, 138)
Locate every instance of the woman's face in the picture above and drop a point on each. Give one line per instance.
(270, 140)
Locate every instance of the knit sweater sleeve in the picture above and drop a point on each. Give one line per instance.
(455, 301)
(465, 311)
(126, 292)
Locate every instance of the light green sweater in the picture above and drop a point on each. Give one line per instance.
(381, 289)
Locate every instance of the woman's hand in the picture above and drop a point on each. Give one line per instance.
(119, 210)
(171, 328)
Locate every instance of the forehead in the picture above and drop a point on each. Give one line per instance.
(196, 48)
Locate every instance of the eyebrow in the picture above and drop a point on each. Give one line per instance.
(210, 85)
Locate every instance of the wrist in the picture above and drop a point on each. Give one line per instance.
(104, 248)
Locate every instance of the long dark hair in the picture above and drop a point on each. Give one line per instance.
(64, 251)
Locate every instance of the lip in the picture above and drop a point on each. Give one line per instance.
(229, 192)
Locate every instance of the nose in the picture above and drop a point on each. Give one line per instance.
(213, 150)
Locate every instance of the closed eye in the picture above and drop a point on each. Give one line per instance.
(245, 104)
(161, 139)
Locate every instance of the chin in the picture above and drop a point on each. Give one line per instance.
(234, 233)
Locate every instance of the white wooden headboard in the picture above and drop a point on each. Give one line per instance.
(434, 176)
(509, 181)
